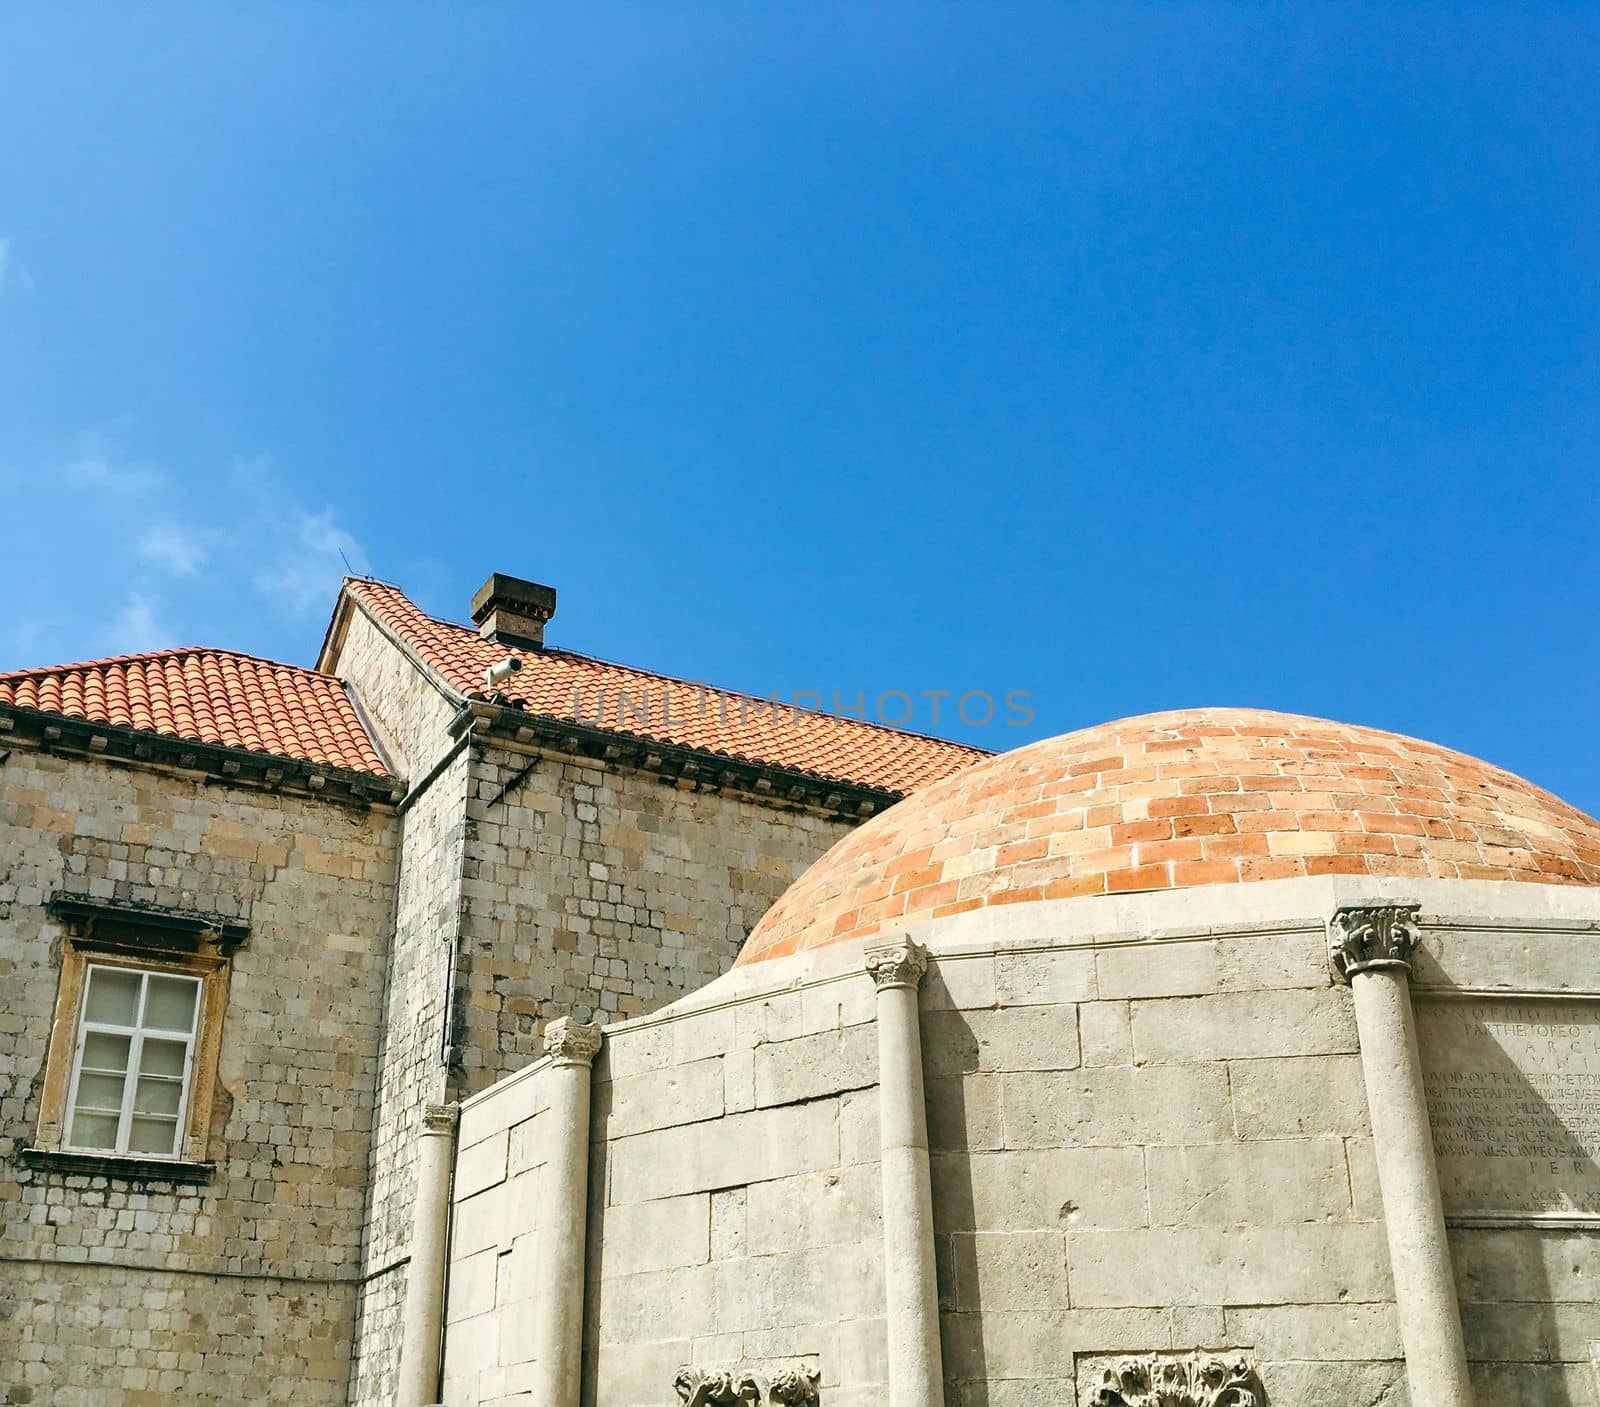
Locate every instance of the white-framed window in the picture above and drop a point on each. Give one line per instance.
(133, 1062)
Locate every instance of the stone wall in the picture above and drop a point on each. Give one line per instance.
(734, 1207)
(1155, 1146)
(606, 894)
(129, 1293)
(1147, 1136)
(1526, 1280)
(414, 720)
(532, 885)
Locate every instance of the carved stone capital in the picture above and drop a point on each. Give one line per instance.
(742, 1385)
(440, 1119)
(570, 1042)
(1370, 937)
(897, 964)
(1179, 1380)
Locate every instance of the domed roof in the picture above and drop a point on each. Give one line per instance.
(1175, 800)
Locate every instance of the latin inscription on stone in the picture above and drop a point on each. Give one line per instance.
(1513, 1089)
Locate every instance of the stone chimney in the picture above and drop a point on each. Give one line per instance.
(513, 612)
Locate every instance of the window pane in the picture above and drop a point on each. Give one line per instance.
(157, 1097)
(94, 1131)
(152, 1135)
(113, 996)
(162, 1057)
(169, 1004)
(102, 1092)
(102, 1051)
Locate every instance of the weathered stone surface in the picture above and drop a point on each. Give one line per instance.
(1321, 1332)
(1039, 1189)
(1027, 1038)
(472, 1286)
(672, 1232)
(1298, 1097)
(661, 1098)
(741, 1148)
(1531, 1333)
(1510, 1265)
(817, 1209)
(1531, 1384)
(1117, 1106)
(831, 1282)
(963, 1111)
(1023, 1344)
(1007, 1270)
(1340, 1384)
(656, 1304)
(1251, 1026)
(826, 1063)
(480, 1165)
(1044, 978)
(1307, 1263)
(1249, 1184)
(1105, 1033)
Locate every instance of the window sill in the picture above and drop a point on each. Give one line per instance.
(130, 1168)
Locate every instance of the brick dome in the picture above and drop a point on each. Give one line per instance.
(1175, 800)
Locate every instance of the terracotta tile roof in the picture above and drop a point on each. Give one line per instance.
(1176, 800)
(558, 683)
(207, 696)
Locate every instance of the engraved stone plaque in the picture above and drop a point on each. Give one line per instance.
(1513, 1088)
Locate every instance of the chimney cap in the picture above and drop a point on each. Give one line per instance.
(512, 611)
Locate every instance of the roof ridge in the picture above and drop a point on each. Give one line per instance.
(885, 728)
(174, 652)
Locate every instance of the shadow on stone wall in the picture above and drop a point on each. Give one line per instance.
(1503, 1148)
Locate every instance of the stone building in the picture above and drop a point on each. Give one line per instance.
(1205, 1059)
(624, 1054)
(255, 918)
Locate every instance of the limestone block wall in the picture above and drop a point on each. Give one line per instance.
(1148, 1133)
(733, 1215)
(1514, 1085)
(606, 894)
(1135, 1148)
(1142, 1146)
(125, 1293)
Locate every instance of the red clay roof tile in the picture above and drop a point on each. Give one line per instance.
(207, 696)
(559, 683)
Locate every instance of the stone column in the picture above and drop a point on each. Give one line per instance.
(423, 1323)
(1370, 948)
(916, 1371)
(561, 1236)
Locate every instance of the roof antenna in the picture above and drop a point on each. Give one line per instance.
(349, 570)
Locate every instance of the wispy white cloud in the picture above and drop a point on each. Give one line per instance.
(105, 474)
(175, 549)
(259, 550)
(136, 628)
(12, 275)
(306, 571)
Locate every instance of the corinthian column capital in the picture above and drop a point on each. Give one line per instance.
(570, 1042)
(897, 964)
(440, 1118)
(1369, 937)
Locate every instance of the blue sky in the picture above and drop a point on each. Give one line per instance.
(1137, 357)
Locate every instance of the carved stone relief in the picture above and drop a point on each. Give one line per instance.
(786, 1385)
(1174, 1380)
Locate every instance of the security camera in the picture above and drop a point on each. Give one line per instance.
(497, 674)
